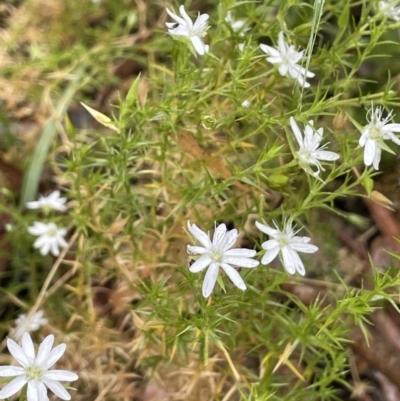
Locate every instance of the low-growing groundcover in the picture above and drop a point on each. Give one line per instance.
(199, 200)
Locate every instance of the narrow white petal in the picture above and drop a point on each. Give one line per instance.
(198, 45)
(303, 247)
(266, 229)
(200, 263)
(283, 69)
(36, 391)
(13, 387)
(270, 51)
(270, 256)
(57, 389)
(44, 249)
(219, 236)
(249, 253)
(230, 239)
(296, 131)
(33, 205)
(10, 371)
(326, 155)
(392, 137)
(289, 260)
(179, 20)
(197, 250)
(274, 60)
(27, 346)
(17, 352)
(270, 244)
(377, 158)
(234, 276)
(54, 248)
(200, 235)
(185, 16)
(63, 375)
(210, 279)
(241, 261)
(364, 136)
(54, 356)
(369, 151)
(391, 128)
(44, 350)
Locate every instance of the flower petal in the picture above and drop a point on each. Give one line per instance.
(57, 389)
(36, 391)
(391, 128)
(17, 352)
(198, 45)
(210, 279)
(240, 261)
(197, 250)
(296, 131)
(303, 247)
(266, 229)
(54, 356)
(10, 371)
(63, 375)
(326, 155)
(200, 235)
(13, 387)
(292, 261)
(270, 255)
(249, 253)
(270, 51)
(370, 151)
(200, 263)
(27, 346)
(234, 276)
(44, 351)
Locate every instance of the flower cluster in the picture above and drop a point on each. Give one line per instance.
(218, 253)
(50, 238)
(288, 60)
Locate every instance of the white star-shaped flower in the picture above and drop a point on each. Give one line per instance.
(184, 28)
(287, 57)
(50, 237)
(311, 152)
(390, 9)
(374, 134)
(52, 201)
(218, 253)
(287, 244)
(22, 324)
(34, 370)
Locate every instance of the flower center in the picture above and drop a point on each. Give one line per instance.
(52, 232)
(216, 255)
(376, 132)
(34, 372)
(283, 241)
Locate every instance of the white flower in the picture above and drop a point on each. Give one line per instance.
(287, 57)
(35, 370)
(389, 9)
(246, 104)
(50, 237)
(374, 134)
(241, 47)
(218, 254)
(22, 324)
(287, 244)
(238, 25)
(310, 151)
(52, 201)
(185, 28)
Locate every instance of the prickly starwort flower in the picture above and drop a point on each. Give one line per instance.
(390, 9)
(287, 58)
(34, 370)
(50, 237)
(51, 201)
(184, 28)
(287, 244)
(218, 253)
(374, 134)
(310, 152)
